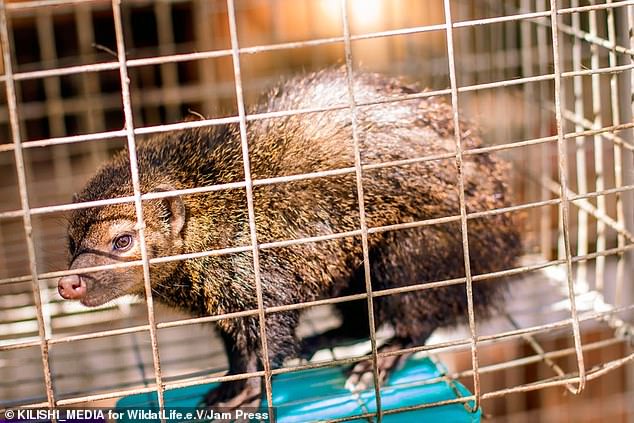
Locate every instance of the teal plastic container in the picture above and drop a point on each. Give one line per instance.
(319, 394)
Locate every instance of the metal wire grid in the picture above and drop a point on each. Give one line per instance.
(566, 195)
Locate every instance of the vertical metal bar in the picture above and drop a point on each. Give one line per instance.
(233, 32)
(4, 267)
(62, 168)
(276, 19)
(52, 89)
(564, 49)
(464, 40)
(463, 207)
(12, 104)
(618, 155)
(509, 43)
(205, 42)
(314, 15)
(54, 111)
(624, 29)
(545, 230)
(393, 52)
(428, 55)
(565, 204)
(626, 36)
(527, 60)
(480, 45)
(138, 73)
(530, 105)
(361, 200)
(90, 80)
(532, 191)
(510, 40)
(496, 60)
(582, 185)
(169, 71)
(93, 111)
(136, 185)
(598, 151)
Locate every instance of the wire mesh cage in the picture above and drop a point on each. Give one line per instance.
(549, 84)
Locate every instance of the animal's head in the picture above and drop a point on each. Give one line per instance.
(109, 235)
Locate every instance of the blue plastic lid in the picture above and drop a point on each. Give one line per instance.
(319, 394)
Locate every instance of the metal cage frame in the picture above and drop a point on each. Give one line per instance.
(619, 133)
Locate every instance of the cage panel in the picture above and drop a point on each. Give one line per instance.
(546, 84)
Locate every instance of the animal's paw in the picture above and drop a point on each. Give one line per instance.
(230, 396)
(235, 394)
(361, 377)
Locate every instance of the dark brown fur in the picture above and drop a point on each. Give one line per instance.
(294, 145)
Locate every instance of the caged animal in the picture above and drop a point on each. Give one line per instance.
(292, 145)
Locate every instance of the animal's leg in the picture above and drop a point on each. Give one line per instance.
(243, 347)
(354, 327)
(236, 393)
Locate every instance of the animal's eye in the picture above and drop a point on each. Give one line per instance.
(122, 242)
(71, 245)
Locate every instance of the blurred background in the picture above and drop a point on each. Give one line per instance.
(279, 38)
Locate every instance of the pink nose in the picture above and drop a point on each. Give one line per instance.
(71, 287)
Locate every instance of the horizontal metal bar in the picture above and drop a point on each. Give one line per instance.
(21, 345)
(66, 140)
(99, 334)
(105, 396)
(234, 119)
(579, 120)
(166, 385)
(34, 4)
(464, 343)
(285, 243)
(96, 67)
(556, 381)
(378, 293)
(507, 335)
(566, 379)
(586, 36)
(515, 363)
(282, 179)
(207, 319)
(591, 373)
(586, 206)
(522, 361)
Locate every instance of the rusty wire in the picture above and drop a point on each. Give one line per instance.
(552, 185)
(276, 309)
(565, 205)
(463, 207)
(24, 201)
(251, 208)
(566, 197)
(266, 115)
(361, 201)
(136, 186)
(459, 344)
(618, 152)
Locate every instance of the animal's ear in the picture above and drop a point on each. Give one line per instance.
(75, 198)
(175, 208)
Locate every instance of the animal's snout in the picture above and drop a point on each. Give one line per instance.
(71, 287)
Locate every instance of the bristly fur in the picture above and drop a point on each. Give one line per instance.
(304, 143)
